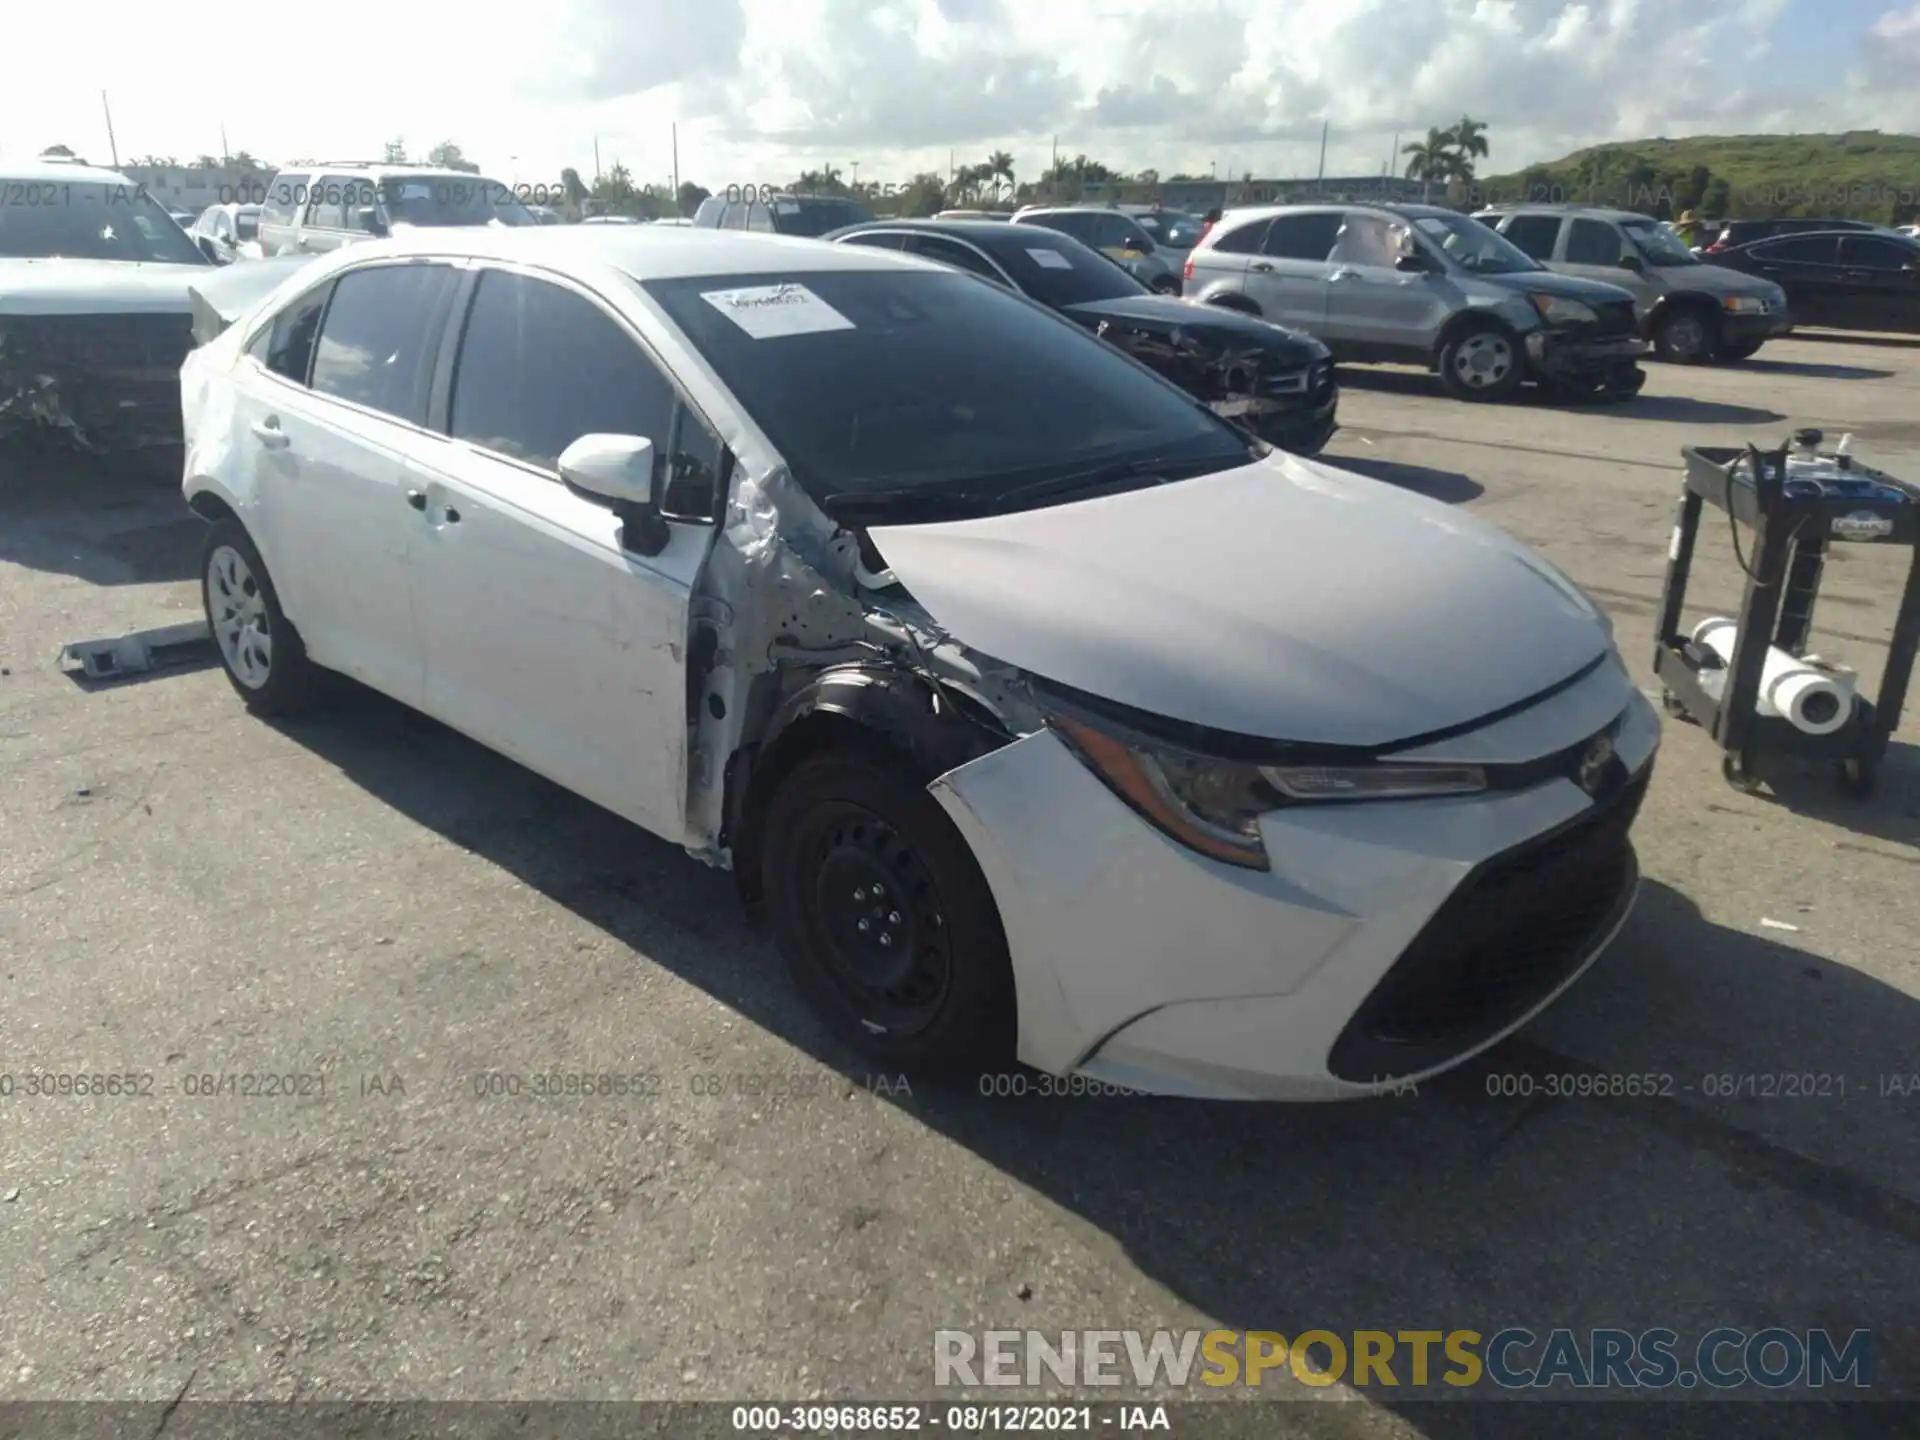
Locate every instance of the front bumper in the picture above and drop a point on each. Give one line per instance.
(1751, 329)
(110, 383)
(1389, 940)
(1563, 355)
(1298, 421)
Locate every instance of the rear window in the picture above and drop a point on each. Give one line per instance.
(247, 220)
(925, 383)
(435, 200)
(813, 217)
(286, 198)
(1057, 269)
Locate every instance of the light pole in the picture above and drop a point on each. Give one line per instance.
(856, 177)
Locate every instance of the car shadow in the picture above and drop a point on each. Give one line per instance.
(1447, 486)
(1480, 1202)
(1856, 337)
(1685, 410)
(98, 521)
(1891, 813)
(1806, 371)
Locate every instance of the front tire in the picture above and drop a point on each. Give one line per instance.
(884, 919)
(265, 661)
(1482, 363)
(1686, 337)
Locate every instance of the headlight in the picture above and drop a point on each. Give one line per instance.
(1374, 782)
(1214, 806)
(1558, 310)
(1745, 304)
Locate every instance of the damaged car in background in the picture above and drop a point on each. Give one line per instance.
(1045, 713)
(1278, 383)
(94, 309)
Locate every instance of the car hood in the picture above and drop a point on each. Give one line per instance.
(1225, 327)
(96, 287)
(221, 296)
(1285, 600)
(1570, 287)
(1717, 280)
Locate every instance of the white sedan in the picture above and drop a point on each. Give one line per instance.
(1049, 715)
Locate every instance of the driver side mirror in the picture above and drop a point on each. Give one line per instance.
(1633, 263)
(367, 218)
(208, 248)
(619, 469)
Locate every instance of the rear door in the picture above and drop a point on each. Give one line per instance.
(1807, 267)
(1220, 266)
(1288, 279)
(1881, 281)
(544, 637)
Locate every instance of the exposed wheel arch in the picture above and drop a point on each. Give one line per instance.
(210, 507)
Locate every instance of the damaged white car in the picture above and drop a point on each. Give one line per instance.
(94, 313)
(1048, 714)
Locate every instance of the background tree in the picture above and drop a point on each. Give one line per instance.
(394, 152)
(613, 192)
(242, 160)
(1000, 171)
(446, 155)
(925, 194)
(206, 162)
(1468, 141)
(59, 150)
(691, 196)
(1430, 159)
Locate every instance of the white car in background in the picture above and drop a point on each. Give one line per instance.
(1048, 714)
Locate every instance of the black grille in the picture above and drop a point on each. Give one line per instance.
(1315, 379)
(1513, 930)
(1615, 319)
(107, 342)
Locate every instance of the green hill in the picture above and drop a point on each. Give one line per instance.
(1862, 175)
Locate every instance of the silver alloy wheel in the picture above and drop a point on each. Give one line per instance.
(1482, 361)
(238, 615)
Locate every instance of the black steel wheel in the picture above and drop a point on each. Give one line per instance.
(884, 919)
(1689, 335)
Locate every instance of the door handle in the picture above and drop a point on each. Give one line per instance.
(269, 433)
(1262, 266)
(452, 516)
(417, 499)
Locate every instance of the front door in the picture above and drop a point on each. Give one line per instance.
(544, 637)
(1371, 302)
(1593, 249)
(1807, 267)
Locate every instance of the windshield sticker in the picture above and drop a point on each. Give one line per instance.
(1051, 259)
(767, 312)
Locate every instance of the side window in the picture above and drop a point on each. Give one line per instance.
(1799, 250)
(697, 471)
(1108, 232)
(759, 216)
(1534, 234)
(381, 334)
(1074, 225)
(286, 197)
(1874, 252)
(1303, 237)
(878, 240)
(286, 346)
(540, 366)
(961, 257)
(1370, 240)
(327, 204)
(1241, 240)
(358, 195)
(1593, 242)
(733, 216)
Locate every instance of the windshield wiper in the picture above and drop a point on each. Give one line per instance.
(925, 501)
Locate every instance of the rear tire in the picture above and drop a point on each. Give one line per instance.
(885, 921)
(261, 652)
(1482, 363)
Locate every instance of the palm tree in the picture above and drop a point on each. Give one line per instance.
(999, 168)
(1430, 159)
(1469, 139)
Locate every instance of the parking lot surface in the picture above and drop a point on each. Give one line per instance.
(364, 898)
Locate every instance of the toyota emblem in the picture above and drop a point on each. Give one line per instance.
(1593, 765)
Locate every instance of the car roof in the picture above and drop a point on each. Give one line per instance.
(75, 172)
(985, 230)
(647, 252)
(1241, 213)
(381, 168)
(1590, 212)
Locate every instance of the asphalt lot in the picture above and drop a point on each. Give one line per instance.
(362, 895)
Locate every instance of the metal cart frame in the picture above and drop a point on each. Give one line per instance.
(1791, 536)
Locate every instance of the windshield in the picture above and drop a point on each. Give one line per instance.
(1476, 247)
(1658, 243)
(1058, 270)
(450, 200)
(246, 222)
(814, 218)
(1172, 229)
(930, 386)
(90, 221)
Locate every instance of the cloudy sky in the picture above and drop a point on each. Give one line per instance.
(762, 89)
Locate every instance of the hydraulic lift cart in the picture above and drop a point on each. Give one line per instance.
(1796, 503)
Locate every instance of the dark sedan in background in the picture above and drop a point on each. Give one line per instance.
(1278, 383)
(1839, 279)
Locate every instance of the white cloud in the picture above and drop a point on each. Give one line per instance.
(763, 88)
